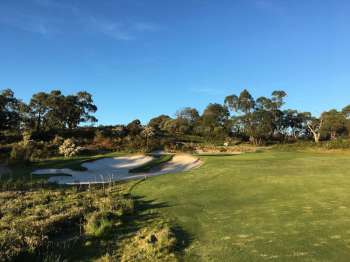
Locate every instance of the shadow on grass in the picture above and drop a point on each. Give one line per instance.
(146, 213)
(217, 155)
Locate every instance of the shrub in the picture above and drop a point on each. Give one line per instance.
(20, 153)
(69, 148)
(58, 140)
(103, 142)
(98, 224)
(151, 244)
(27, 151)
(337, 144)
(118, 206)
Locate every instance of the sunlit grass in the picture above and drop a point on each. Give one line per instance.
(281, 206)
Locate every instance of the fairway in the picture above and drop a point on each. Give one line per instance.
(273, 206)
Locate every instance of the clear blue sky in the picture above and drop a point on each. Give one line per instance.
(142, 58)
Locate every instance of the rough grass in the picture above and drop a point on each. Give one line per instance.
(156, 162)
(41, 222)
(31, 221)
(268, 206)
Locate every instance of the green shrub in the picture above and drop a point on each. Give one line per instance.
(337, 144)
(20, 153)
(98, 224)
(30, 151)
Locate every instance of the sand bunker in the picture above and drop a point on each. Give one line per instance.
(117, 169)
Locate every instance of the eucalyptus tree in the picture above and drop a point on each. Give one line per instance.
(334, 123)
(214, 120)
(10, 110)
(39, 108)
(188, 114)
(259, 118)
(55, 111)
(134, 127)
(157, 123)
(294, 123)
(315, 126)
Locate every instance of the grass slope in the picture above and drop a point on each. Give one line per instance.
(279, 206)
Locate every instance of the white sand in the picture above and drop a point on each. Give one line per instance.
(117, 169)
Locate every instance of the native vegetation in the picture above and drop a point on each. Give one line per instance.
(50, 124)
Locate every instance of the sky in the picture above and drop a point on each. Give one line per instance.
(143, 58)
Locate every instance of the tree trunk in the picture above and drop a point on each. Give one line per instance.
(317, 137)
(316, 131)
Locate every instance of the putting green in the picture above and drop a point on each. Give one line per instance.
(279, 206)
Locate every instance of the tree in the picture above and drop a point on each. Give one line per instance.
(134, 128)
(54, 110)
(79, 108)
(147, 132)
(38, 109)
(259, 119)
(158, 122)
(10, 110)
(188, 114)
(315, 126)
(346, 111)
(334, 123)
(294, 122)
(214, 120)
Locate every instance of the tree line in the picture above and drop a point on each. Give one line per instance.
(240, 116)
(45, 111)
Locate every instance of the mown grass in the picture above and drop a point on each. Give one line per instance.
(268, 206)
(156, 162)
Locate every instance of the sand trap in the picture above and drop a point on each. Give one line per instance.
(117, 169)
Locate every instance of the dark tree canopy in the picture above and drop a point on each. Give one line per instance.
(54, 110)
(10, 110)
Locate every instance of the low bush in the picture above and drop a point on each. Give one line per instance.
(25, 152)
(98, 224)
(337, 144)
(69, 148)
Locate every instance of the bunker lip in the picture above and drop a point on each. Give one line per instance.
(108, 170)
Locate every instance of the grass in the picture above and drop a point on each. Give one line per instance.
(41, 222)
(82, 224)
(156, 162)
(268, 206)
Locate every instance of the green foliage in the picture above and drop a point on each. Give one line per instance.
(337, 144)
(334, 123)
(98, 224)
(10, 110)
(54, 110)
